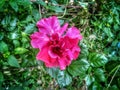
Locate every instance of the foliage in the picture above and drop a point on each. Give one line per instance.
(98, 66)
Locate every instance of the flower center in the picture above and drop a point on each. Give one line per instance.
(55, 46)
(57, 50)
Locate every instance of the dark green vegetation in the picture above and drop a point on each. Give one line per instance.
(98, 66)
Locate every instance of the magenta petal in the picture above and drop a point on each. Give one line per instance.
(63, 29)
(53, 55)
(52, 64)
(76, 52)
(55, 23)
(69, 42)
(43, 55)
(63, 62)
(38, 40)
(70, 54)
(73, 32)
(48, 25)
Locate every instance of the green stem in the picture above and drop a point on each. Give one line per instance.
(64, 11)
(116, 70)
(117, 67)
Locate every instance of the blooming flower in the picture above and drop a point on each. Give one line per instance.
(58, 45)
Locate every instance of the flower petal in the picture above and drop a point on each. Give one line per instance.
(44, 56)
(48, 25)
(69, 43)
(63, 62)
(50, 52)
(63, 29)
(38, 40)
(53, 64)
(73, 32)
(76, 51)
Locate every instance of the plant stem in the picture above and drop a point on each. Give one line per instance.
(113, 75)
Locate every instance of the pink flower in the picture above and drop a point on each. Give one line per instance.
(58, 45)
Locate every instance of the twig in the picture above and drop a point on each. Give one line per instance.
(40, 10)
(64, 11)
(112, 78)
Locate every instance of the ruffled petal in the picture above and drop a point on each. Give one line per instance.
(69, 43)
(48, 25)
(38, 40)
(50, 52)
(63, 29)
(63, 62)
(53, 64)
(76, 52)
(73, 32)
(43, 55)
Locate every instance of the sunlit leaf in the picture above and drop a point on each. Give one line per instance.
(14, 5)
(3, 47)
(1, 77)
(63, 78)
(89, 80)
(99, 75)
(20, 50)
(78, 67)
(97, 60)
(29, 28)
(12, 61)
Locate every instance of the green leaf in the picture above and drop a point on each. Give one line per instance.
(53, 72)
(114, 43)
(114, 87)
(89, 80)
(108, 32)
(2, 2)
(110, 19)
(63, 78)
(16, 43)
(84, 5)
(6, 20)
(3, 47)
(99, 75)
(1, 35)
(96, 86)
(14, 5)
(97, 60)
(13, 22)
(20, 50)
(55, 8)
(1, 77)
(116, 27)
(12, 61)
(78, 67)
(36, 14)
(54, 2)
(29, 18)
(84, 50)
(14, 35)
(30, 28)
(41, 2)
(25, 3)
